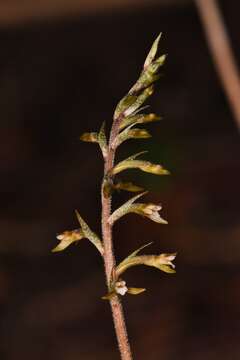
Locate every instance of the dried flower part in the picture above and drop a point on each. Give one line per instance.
(127, 186)
(67, 238)
(131, 163)
(162, 262)
(131, 102)
(89, 137)
(152, 53)
(99, 138)
(149, 210)
(138, 119)
(89, 234)
(135, 291)
(130, 134)
(108, 187)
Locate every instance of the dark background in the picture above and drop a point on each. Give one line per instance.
(60, 77)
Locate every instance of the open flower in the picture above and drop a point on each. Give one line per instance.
(162, 262)
(151, 211)
(120, 287)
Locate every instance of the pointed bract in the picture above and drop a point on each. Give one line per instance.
(131, 102)
(148, 210)
(134, 253)
(144, 95)
(148, 75)
(152, 53)
(89, 234)
(124, 209)
(102, 140)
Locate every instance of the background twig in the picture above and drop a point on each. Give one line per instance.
(223, 57)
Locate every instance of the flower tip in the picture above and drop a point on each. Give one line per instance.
(164, 222)
(60, 236)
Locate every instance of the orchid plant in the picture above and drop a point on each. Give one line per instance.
(128, 114)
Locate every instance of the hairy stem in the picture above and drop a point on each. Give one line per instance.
(109, 259)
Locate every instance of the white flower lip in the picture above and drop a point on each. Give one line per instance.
(60, 236)
(121, 288)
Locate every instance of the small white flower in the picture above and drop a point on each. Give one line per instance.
(121, 288)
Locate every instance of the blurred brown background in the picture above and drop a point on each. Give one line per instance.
(63, 68)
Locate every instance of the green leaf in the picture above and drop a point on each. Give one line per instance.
(138, 119)
(162, 262)
(89, 234)
(67, 238)
(152, 53)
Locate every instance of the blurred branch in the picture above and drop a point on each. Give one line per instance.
(223, 57)
(14, 12)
